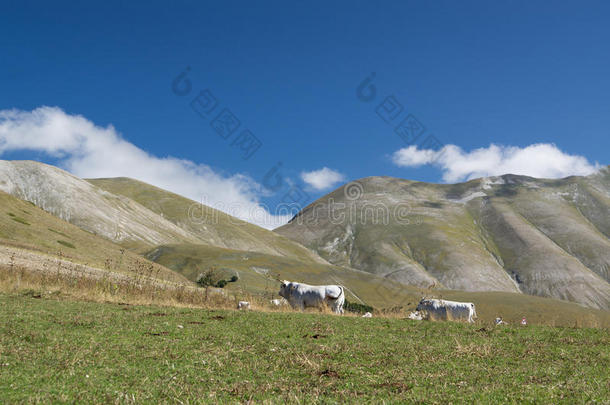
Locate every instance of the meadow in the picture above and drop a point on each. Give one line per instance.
(57, 350)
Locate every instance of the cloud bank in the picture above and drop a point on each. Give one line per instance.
(322, 179)
(89, 151)
(540, 160)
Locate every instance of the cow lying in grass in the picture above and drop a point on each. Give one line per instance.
(278, 302)
(443, 310)
(301, 296)
(243, 305)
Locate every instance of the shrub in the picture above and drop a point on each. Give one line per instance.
(18, 219)
(357, 308)
(66, 244)
(59, 233)
(207, 279)
(213, 278)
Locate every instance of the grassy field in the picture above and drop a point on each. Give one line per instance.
(54, 350)
(256, 272)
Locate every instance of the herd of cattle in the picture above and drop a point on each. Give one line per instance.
(301, 296)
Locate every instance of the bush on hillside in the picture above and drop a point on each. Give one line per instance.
(213, 278)
(357, 308)
(207, 279)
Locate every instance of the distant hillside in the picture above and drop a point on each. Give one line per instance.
(137, 215)
(74, 200)
(25, 226)
(509, 233)
(210, 226)
(258, 273)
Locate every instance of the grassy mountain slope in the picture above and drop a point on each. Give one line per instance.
(538, 264)
(258, 273)
(383, 232)
(210, 226)
(575, 234)
(137, 215)
(508, 233)
(70, 198)
(25, 226)
(594, 200)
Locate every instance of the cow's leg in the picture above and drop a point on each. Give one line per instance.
(296, 305)
(336, 306)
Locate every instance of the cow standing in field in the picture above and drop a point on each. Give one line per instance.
(444, 310)
(301, 296)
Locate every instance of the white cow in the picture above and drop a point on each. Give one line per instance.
(301, 296)
(278, 302)
(444, 310)
(243, 305)
(416, 316)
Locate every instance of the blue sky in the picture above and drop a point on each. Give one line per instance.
(513, 74)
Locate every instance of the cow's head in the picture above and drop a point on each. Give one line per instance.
(424, 303)
(285, 289)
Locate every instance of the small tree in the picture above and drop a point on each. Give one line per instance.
(212, 278)
(208, 278)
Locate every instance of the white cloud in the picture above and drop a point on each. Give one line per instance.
(89, 151)
(322, 179)
(540, 160)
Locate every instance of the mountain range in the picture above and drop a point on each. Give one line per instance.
(387, 240)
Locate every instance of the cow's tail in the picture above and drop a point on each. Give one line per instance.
(341, 294)
(332, 297)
